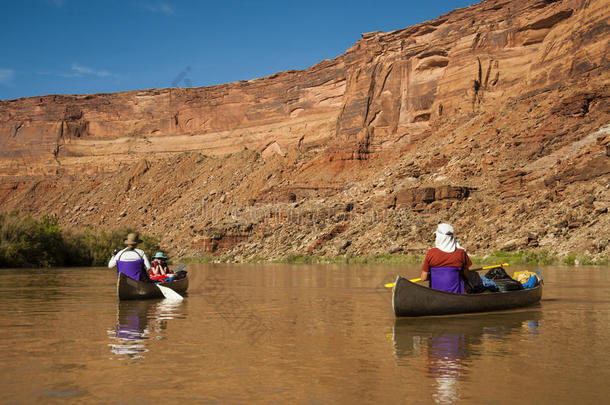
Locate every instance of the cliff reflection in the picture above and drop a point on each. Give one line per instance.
(447, 346)
(139, 321)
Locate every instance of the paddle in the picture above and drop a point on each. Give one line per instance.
(169, 294)
(415, 280)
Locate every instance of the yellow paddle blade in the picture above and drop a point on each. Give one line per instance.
(391, 285)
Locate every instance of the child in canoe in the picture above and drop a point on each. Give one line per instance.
(159, 271)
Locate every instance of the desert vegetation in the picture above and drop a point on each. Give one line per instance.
(29, 242)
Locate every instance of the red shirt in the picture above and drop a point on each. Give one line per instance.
(158, 263)
(437, 258)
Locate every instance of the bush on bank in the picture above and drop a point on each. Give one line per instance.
(521, 258)
(541, 257)
(29, 242)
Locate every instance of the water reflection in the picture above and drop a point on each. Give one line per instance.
(445, 347)
(139, 321)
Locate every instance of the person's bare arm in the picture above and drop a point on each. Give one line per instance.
(425, 268)
(465, 271)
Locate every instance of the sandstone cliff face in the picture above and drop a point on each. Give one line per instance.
(493, 117)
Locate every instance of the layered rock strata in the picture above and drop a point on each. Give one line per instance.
(494, 117)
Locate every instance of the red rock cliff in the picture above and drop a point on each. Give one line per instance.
(493, 117)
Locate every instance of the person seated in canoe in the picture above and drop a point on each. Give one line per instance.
(159, 270)
(131, 261)
(445, 264)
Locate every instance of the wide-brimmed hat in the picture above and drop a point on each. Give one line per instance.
(133, 239)
(159, 255)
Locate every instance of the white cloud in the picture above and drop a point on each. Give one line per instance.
(159, 7)
(7, 76)
(80, 70)
(77, 70)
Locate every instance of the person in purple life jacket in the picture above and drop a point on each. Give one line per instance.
(131, 261)
(445, 264)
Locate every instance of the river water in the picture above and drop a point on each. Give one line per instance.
(295, 334)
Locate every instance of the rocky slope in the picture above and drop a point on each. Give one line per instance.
(494, 117)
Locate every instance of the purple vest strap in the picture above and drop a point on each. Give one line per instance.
(132, 269)
(446, 279)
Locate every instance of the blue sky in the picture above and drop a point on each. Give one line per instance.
(97, 46)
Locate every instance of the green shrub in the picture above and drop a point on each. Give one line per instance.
(27, 242)
(524, 257)
(539, 257)
(299, 259)
(570, 259)
(97, 246)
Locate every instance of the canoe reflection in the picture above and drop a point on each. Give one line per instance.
(137, 322)
(447, 345)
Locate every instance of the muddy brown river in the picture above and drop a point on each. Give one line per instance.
(295, 334)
